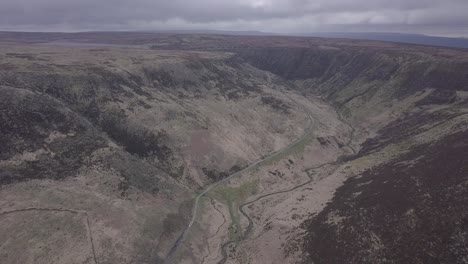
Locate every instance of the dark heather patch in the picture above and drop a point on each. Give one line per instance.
(135, 172)
(215, 175)
(439, 97)
(137, 141)
(410, 210)
(276, 104)
(26, 121)
(403, 128)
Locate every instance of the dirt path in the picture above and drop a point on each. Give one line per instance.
(250, 226)
(212, 186)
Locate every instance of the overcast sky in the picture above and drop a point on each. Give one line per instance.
(434, 17)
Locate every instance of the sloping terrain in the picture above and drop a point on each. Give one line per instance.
(121, 139)
(173, 108)
(407, 210)
(347, 151)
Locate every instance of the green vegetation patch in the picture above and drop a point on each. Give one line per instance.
(297, 148)
(233, 197)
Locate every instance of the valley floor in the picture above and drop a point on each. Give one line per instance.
(232, 218)
(175, 148)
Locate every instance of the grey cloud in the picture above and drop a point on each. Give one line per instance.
(270, 15)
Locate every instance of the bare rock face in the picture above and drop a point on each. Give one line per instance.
(347, 151)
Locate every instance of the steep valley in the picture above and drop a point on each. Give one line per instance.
(179, 148)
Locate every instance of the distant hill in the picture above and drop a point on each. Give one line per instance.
(217, 32)
(380, 36)
(398, 37)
